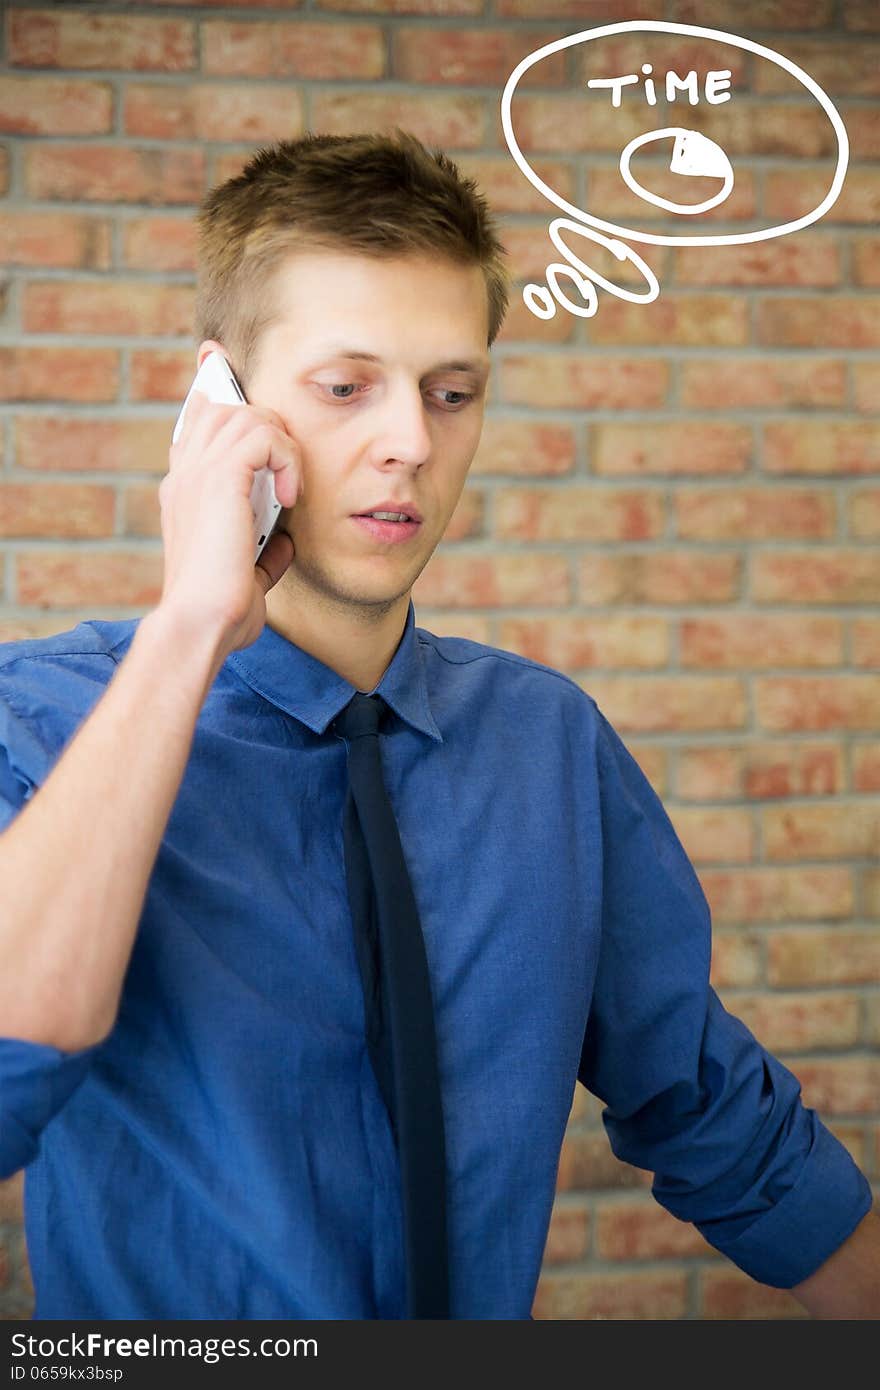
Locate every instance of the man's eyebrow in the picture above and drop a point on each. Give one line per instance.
(477, 365)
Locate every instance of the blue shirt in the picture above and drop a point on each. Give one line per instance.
(225, 1152)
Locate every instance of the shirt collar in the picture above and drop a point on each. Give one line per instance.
(302, 685)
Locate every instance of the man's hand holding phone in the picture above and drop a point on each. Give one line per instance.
(207, 518)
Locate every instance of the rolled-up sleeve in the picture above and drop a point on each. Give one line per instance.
(36, 1080)
(689, 1092)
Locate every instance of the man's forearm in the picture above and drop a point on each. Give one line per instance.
(847, 1285)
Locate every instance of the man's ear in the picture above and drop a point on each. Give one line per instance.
(209, 345)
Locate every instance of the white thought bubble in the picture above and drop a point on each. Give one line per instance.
(718, 35)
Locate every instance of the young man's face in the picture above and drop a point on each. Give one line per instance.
(399, 429)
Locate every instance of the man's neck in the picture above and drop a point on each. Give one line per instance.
(357, 643)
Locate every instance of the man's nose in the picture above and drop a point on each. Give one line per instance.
(404, 434)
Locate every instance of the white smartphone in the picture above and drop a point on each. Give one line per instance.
(216, 379)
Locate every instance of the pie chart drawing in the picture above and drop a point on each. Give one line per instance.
(693, 154)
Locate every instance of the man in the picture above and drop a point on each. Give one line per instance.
(184, 1065)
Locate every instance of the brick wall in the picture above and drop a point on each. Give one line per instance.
(678, 504)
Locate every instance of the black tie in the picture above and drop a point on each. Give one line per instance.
(398, 1004)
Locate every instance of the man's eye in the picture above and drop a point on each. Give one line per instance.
(342, 386)
(350, 387)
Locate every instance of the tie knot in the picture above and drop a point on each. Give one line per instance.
(362, 716)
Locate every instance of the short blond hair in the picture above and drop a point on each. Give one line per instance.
(375, 194)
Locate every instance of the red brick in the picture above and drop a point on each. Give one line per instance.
(427, 7)
(871, 884)
(845, 1086)
(820, 575)
(797, 1022)
(12, 1198)
(437, 118)
(840, 67)
(59, 374)
(220, 111)
(837, 957)
(811, 260)
(98, 306)
(52, 39)
(601, 11)
(83, 578)
(587, 1161)
(468, 519)
(846, 831)
(73, 443)
(712, 772)
(760, 771)
(114, 174)
(640, 1229)
(531, 250)
(862, 128)
(818, 702)
(62, 510)
(714, 836)
(680, 320)
(866, 384)
(141, 510)
(472, 56)
(579, 512)
(792, 769)
(866, 644)
(753, 640)
(731, 1295)
(490, 581)
(861, 16)
(621, 1296)
(59, 239)
(851, 321)
(736, 959)
(866, 767)
(568, 1234)
(573, 642)
(866, 261)
(159, 243)
(453, 624)
(506, 189)
(746, 129)
(557, 122)
(761, 513)
(55, 106)
(659, 576)
(619, 53)
(17, 629)
(583, 381)
(820, 446)
(863, 514)
(778, 894)
(525, 447)
(160, 374)
(300, 48)
(689, 446)
(757, 14)
(760, 382)
(792, 193)
(520, 325)
(4, 169)
(655, 703)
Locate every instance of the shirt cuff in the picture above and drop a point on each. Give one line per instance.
(35, 1082)
(789, 1242)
